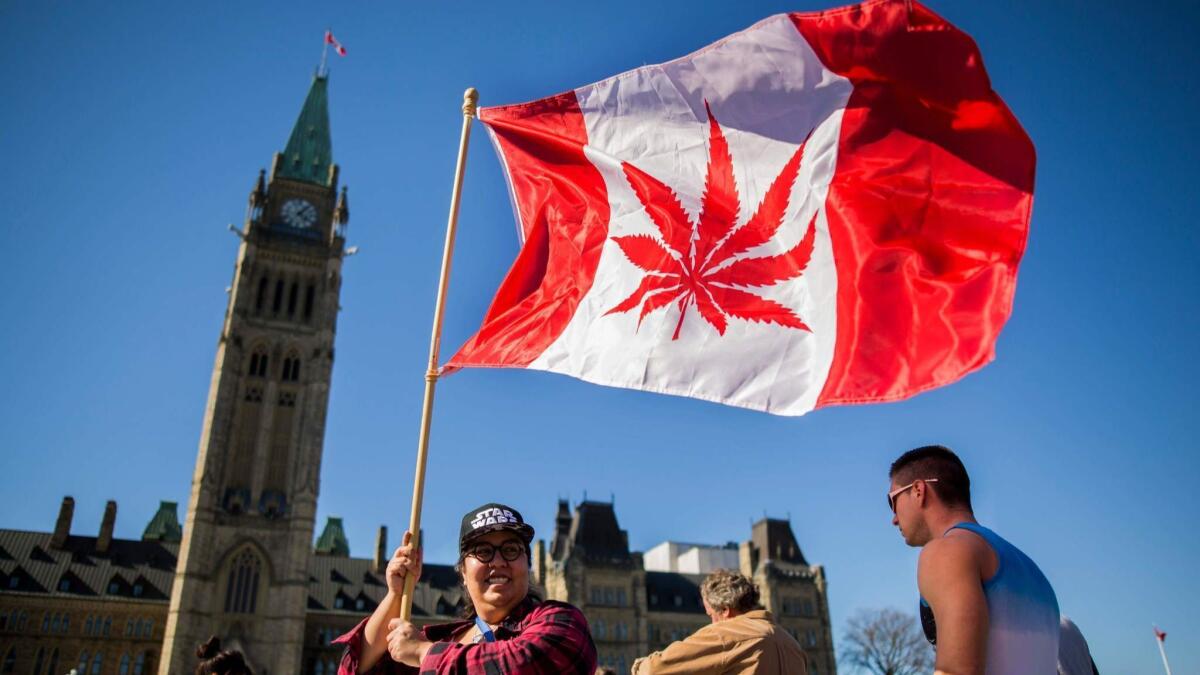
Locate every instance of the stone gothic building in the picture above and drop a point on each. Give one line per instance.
(633, 609)
(243, 564)
(100, 604)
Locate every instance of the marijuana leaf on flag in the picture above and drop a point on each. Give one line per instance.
(698, 274)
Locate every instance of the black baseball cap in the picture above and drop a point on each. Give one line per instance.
(492, 518)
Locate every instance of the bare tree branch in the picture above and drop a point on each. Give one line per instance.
(886, 642)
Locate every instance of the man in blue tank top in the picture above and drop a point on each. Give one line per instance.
(985, 606)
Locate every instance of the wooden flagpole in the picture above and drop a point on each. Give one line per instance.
(470, 101)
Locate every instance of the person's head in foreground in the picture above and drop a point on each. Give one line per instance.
(213, 661)
(984, 603)
(727, 594)
(507, 628)
(494, 560)
(929, 487)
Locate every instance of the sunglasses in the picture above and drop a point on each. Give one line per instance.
(485, 552)
(896, 493)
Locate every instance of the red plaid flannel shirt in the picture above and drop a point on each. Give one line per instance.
(537, 638)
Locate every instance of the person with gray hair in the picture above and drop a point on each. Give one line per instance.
(743, 638)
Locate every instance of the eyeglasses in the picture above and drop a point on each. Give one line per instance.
(485, 552)
(895, 493)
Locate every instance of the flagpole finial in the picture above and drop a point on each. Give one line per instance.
(470, 101)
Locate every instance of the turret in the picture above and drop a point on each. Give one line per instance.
(258, 197)
(341, 213)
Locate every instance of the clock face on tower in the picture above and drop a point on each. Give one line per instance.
(299, 213)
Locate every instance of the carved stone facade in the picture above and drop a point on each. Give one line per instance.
(633, 611)
(65, 598)
(243, 563)
(244, 566)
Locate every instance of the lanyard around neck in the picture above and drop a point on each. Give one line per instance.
(485, 631)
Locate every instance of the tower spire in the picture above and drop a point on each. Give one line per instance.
(309, 151)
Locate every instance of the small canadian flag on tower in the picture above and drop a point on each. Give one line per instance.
(337, 46)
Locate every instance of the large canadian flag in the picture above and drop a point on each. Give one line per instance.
(824, 208)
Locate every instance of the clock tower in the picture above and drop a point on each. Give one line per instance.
(242, 573)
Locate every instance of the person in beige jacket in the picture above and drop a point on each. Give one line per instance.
(743, 638)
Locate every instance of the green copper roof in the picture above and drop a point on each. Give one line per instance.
(333, 539)
(164, 526)
(310, 149)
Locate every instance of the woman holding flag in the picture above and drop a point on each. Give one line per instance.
(508, 629)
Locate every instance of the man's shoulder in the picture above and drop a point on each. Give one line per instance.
(951, 557)
(956, 546)
(749, 627)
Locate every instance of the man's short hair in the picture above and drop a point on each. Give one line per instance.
(726, 589)
(953, 485)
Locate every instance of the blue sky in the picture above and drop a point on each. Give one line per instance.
(132, 132)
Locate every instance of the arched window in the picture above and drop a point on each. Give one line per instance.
(56, 623)
(291, 369)
(261, 297)
(21, 621)
(87, 628)
(137, 628)
(66, 626)
(53, 669)
(107, 626)
(601, 630)
(124, 667)
(258, 363)
(10, 661)
(83, 661)
(310, 294)
(37, 661)
(293, 296)
(278, 301)
(149, 628)
(97, 663)
(319, 667)
(139, 664)
(46, 622)
(241, 592)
